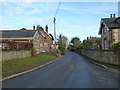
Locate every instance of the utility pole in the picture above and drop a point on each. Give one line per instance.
(54, 29)
(55, 32)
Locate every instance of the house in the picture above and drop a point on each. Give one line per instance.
(46, 39)
(20, 40)
(36, 40)
(109, 31)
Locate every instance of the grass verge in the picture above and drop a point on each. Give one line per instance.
(111, 66)
(11, 67)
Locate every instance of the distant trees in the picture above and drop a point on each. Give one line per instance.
(74, 44)
(92, 42)
(23, 29)
(62, 43)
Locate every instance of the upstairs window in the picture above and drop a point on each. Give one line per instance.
(46, 44)
(104, 29)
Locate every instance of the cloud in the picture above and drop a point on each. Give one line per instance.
(35, 11)
(38, 20)
(90, 8)
(73, 17)
(19, 10)
(6, 27)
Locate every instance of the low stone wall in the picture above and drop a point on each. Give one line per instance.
(9, 55)
(108, 56)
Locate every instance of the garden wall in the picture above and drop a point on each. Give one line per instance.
(108, 56)
(9, 55)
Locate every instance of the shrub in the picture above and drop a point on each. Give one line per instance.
(115, 46)
(62, 50)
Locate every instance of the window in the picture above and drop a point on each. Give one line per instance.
(46, 44)
(5, 46)
(41, 45)
(104, 30)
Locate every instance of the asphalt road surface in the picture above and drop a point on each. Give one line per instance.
(71, 71)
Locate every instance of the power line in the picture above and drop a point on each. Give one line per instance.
(58, 8)
(55, 23)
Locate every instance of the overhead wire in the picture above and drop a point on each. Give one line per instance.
(58, 8)
(55, 19)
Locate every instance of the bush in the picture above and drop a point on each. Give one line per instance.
(115, 46)
(53, 53)
(62, 50)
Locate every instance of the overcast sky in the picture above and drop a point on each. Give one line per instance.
(80, 19)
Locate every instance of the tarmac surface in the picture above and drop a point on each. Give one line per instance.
(71, 71)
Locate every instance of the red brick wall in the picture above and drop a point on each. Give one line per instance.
(47, 40)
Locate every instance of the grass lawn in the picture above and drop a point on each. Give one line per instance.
(11, 67)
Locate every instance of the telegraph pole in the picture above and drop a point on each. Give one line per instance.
(54, 29)
(55, 32)
(55, 24)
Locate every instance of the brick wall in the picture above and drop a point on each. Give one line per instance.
(48, 40)
(9, 55)
(108, 56)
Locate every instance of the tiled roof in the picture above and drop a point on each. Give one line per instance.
(17, 33)
(40, 28)
(112, 22)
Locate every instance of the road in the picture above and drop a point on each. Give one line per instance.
(71, 71)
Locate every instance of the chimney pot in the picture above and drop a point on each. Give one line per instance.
(110, 15)
(38, 26)
(87, 38)
(46, 28)
(34, 27)
(113, 15)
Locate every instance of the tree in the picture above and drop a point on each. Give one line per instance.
(76, 42)
(93, 43)
(62, 43)
(23, 29)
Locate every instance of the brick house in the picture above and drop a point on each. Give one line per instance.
(46, 39)
(37, 39)
(20, 40)
(109, 31)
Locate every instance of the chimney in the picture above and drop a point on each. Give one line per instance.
(46, 28)
(87, 38)
(110, 15)
(113, 15)
(38, 26)
(34, 27)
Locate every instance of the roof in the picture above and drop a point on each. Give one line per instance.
(42, 34)
(17, 34)
(112, 22)
(45, 34)
(51, 36)
(40, 29)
